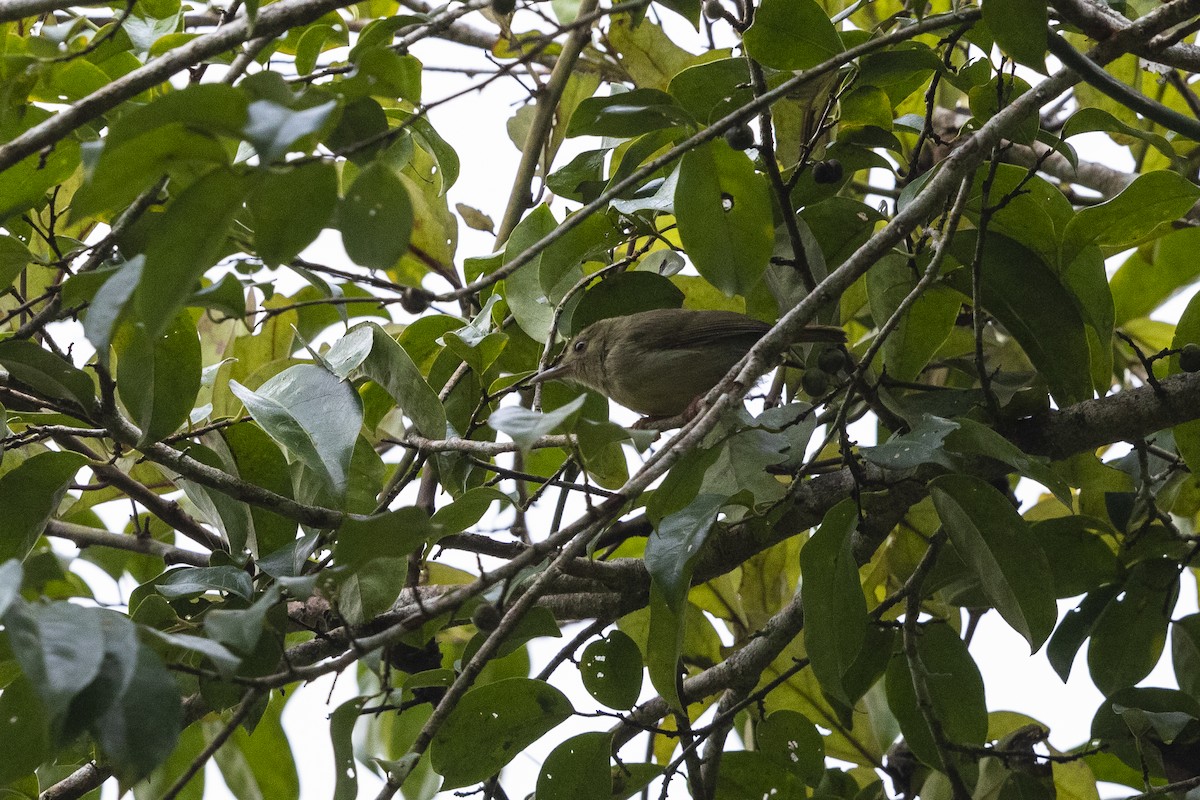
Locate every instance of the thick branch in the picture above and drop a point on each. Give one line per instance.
(521, 197)
(19, 9)
(84, 536)
(1126, 416)
(272, 21)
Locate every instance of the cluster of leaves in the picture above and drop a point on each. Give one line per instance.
(300, 462)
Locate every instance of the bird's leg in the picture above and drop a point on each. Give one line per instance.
(676, 421)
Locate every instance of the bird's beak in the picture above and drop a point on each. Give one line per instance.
(553, 373)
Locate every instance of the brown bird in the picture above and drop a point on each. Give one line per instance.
(660, 362)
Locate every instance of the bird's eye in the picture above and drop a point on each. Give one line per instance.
(580, 346)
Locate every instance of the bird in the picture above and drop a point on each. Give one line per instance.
(661, 362)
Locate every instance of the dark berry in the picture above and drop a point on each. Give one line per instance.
(815, 382)
(1189, 358)
(713, 9)
(740, 137)
(832, 360)
(503, 7)
(828, 171)
(486, 617)
(414, 301)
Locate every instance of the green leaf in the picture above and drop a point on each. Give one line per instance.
(532, 305)
(282, 226)
(241, 629)
(311, 413)
(835, 611)
(975, 438)
(24, 185)
(1076, 626)
(578, 769)
(995, 543)
(955, 688)
(14, 256)
(1079, 557)
(231, 517)
(745, 773)
(1187, 331)
(376, 218)
(1143, 210)
(792, 35)
(671, 551)
(676, 543)
(622, 294)
(392, 534)
(30, 494)
(611, 670)
(1185, 654)
(10, 583)
(273, 129)
(140, 726)
(865, 107)
(260, 461)
(386, 73)
(60, 648)
(468, 509)
(24, 731)
(491, 725)
(258, 765)
(536, 623)
(444, 156)
(227, 296)
(666, 630)
(194, 581)
(649, 54)
(922, 329)
(713, 89)
(159, 377)
(46, 373)
(224, 659)
(109, 303)
(123, 169)
(629, 779)
(627, 114)
(1154, 273)
(790, 739)
(925, 443)
(369, 350)
(1019, 27)
(525, 427)
(178, 250)
(1031, 302)
(1130, 633)
(723, 207)
(990, 98)
(1089, 119)
(341, 731)
(214, 108)
(371, 590)
(362, 120)
(311, 44)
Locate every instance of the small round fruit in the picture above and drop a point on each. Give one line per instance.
(815, 382)
(414, 302)
(828, 171)
(740, 137)
(713, 9)
(503, 7)
(1189, 358)
(832, 360)
(486, 617)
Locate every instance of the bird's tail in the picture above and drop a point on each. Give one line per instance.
(822, 333)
